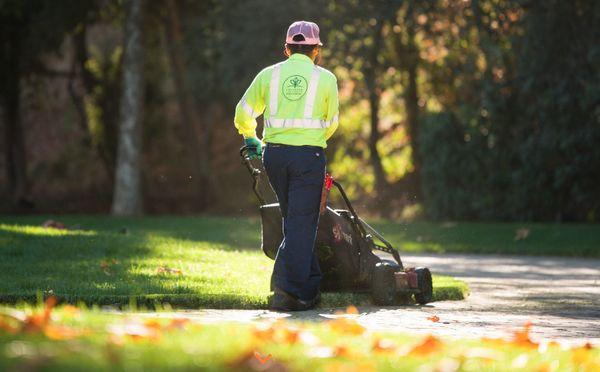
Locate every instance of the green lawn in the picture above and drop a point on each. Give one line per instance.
(206, 262)
(91, 340)
(575, 240)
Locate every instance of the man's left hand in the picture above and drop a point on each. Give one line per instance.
(254, 146)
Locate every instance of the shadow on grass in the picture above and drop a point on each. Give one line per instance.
(101, 267)
(104, 267)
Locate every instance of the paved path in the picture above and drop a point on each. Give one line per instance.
(560, 296)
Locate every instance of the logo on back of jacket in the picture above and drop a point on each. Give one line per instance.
(294, 87)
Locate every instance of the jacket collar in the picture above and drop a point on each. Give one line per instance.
(301, 57)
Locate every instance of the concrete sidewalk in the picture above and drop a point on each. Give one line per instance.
(560, 296)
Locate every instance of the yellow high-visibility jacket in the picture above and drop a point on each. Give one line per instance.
(299, 100)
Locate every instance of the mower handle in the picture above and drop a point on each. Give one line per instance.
(360, 224)
(254, 172)
(363, 226)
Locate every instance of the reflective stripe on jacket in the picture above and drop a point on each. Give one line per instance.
(299, 101)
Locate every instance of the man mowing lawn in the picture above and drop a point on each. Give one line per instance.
(300, 104)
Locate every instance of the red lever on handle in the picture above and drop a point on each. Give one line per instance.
(327, 184)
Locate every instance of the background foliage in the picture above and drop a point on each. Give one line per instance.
(476, 109)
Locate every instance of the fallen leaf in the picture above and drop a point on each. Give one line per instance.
(106, 265)
(37, 321)
(153, 323)
(264, 332)
(51, 224)
(262, 358)
(521, 337)
(434, 318)
(247, 361)
(351, 310)
(428, 345)
(522, 233)
(344, 325)
(582, 355)
(168, 270)
(178, 323)
(55, 332)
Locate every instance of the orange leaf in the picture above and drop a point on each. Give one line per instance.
(344, 325)
(178, 323)
(428, 345)
(434, 318)
(37, 321)
(351, 310)
(262, 358)
(153, 323)
(521, 337)
(264, 332)
(61, 332)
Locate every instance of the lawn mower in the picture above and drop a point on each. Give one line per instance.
(352, 255)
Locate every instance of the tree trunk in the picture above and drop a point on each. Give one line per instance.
(200, 152)
(16, 165)
(127, 198)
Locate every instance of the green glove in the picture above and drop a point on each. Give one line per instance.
(254, 147)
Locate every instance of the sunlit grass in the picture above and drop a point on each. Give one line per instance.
(209, 262)
(43, 231)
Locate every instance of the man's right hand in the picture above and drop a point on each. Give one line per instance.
(254, 146)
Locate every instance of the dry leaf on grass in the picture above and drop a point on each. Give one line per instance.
(39, 322)
(107, 264)
(168, 270)
(427, 346)
(521, 337)
(262, 358)
(344, 325)
(522, 233)
(57, 332)
(248, 361)
(178, 323)
(282, 333)
(51, 224)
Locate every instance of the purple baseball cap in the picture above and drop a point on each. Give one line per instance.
(308, 30)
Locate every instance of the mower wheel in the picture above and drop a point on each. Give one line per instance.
(425, 294)
(383, 285)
